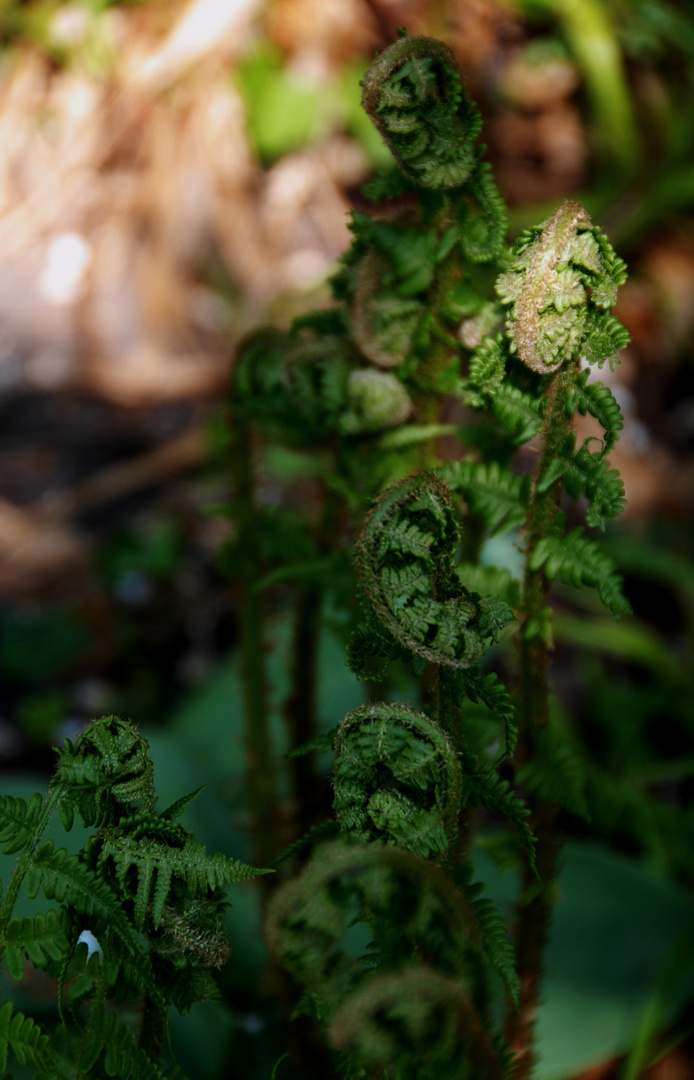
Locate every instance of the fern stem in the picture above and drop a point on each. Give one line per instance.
(25, 861)
(535, 906)
(261, 773)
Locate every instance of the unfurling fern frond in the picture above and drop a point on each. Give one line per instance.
(598, 400)
(560, 278)
(307, 916)
(412, 908)
(415, 96)
(497, 495)
(405, 560)
(107, 770)
(579, 561)
(396, 778)
(419, 1022)
(487, 367)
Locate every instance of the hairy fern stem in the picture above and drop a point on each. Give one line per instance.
(262, 785)
(533, 642)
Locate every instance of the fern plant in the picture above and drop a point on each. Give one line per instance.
(137, 923)
(397, 950)
(416, 318)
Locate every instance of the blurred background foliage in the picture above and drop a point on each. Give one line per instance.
(173, 174)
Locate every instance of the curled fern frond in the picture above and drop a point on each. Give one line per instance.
(488, 366)
(107, 770)
(384, 324)
(405, 559)
(561, 275)
(419, 1022)
(409, 902)
(415, 96)
(376, 401)
(396, 778)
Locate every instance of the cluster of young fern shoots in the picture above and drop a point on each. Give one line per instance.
(433, 312)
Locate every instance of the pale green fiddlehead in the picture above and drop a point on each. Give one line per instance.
(564, 273)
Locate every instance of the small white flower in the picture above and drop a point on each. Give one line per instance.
(92, 944)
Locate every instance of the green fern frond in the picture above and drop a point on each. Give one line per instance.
(18, 821)
(64, 878)
(396, 778)
(27, 1040)
(496, 794)
(42, 939)
(490, 581)
(108, 766)
(497, 944)
(520, 415)
(598, 400)
(579, 561)
(483, 237)
(158, 865)
(488, 366)
(604, 336)
(500, 497)
(485, 687)
(590, 475)
(404, 556)
(418, 1022)
(414, 94)
(180, 805)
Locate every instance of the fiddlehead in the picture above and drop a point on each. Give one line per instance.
(415, 96)
(396, 778)
(564, 273)
(411, 908)
(405, 558)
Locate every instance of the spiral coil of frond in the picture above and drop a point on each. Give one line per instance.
(396, 778)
